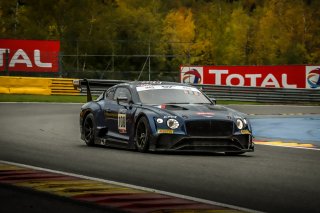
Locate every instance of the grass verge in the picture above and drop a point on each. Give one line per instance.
(43, 98)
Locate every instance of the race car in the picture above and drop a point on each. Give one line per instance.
(163, 116)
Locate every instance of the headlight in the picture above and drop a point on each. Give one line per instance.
(240, 124)
(172, 123)
(245, 121)
(159, 120)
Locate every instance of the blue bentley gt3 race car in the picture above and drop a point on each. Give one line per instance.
(163, 116)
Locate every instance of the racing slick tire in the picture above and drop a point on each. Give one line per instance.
(89, 129)
(142, 135)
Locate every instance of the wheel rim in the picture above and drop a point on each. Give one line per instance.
(88, 129)
(141, 135)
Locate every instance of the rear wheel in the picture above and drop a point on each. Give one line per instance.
(89, 130)
(142, 135)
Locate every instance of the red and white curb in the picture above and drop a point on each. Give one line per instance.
(119, 196)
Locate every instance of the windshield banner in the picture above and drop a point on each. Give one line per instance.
(295, 76)
(29, 55)
(157, 87)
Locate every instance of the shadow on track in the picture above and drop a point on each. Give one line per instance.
(169, 153)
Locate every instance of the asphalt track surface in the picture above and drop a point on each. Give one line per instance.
(272, 179)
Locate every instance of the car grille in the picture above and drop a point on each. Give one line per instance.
(209, 128)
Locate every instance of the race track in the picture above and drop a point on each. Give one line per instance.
(272, 179)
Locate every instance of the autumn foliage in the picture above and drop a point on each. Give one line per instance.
(175, 32)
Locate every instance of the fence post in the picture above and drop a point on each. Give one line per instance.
(6, 63)
(60, 65)
(149, 53)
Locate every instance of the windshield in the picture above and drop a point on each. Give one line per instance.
(170, 94)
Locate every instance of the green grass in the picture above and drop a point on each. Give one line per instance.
(43, 98)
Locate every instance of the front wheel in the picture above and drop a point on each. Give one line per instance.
(89, 130)
(142, 135)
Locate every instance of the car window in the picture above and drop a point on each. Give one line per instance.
(110, 94)
(169, 94)
(122, 92)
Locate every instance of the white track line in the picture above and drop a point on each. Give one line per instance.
(136, 187)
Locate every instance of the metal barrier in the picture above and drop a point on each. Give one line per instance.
(54, 86)
(253, 94)
(262, 94)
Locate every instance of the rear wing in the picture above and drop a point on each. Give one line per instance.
(94, 86)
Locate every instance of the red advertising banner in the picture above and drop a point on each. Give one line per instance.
(295, 76)
(29, 55)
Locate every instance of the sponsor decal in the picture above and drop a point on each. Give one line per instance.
(281, 76)
(150, 82)
(191, 75)
(29, 55)
(222, 77)
(313, 77)
(245, 132)
(164, 87)
(206, 114)
(122, 121)
(162, 106)
(165, 131)
(169, 116)
(103, 142)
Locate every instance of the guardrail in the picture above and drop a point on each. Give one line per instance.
(55, 86)
(261, 94)
(254, 94)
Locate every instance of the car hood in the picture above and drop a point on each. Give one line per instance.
(198, 111)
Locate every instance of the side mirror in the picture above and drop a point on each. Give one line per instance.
(122, 100)
(125, 101)
(213, 100)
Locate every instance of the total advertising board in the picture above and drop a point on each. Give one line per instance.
(286, 76)
(29, 55)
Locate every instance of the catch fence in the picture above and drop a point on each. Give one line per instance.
(104, 59)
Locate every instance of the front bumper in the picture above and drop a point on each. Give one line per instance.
(171, 142)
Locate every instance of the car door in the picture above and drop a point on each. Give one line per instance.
(118, 116)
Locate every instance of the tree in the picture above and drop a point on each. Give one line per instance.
(178, 35)
(198, 32)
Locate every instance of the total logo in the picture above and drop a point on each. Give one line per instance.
(313, 77)
(21, 57)
(192, 75)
